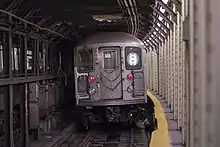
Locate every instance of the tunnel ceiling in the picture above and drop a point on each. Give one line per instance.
(78, 18)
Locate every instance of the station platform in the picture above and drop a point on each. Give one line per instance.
(167, 134)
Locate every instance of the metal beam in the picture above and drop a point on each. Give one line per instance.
(52, 26)
(164, 17)
(39, 23)
(43, 20)
(37, 57)
(168, 9)
(34, 36)
(31, 13)
(32, 24)
(159, 34)
(161, 31)
(17, 32)
(156, 19)
(157, 38)
(154, 41)
(11, 103)
(148, 45)
(9, 100)
(8, 118)
(25, 51)
(26, 17)
(178, 4)
(158, 42)
(19, 80)
(13, 5)
(23, 117)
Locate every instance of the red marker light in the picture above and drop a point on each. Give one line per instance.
(129, 77)
(91, 79)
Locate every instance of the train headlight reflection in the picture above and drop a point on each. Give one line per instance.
(92, 91)
(132, 59)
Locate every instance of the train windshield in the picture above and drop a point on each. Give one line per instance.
(84, 60)
(133, 58)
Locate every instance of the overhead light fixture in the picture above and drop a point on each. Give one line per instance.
(108, 18)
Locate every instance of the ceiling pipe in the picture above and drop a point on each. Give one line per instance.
(125, 10)
(133, 16)
(127, 21)
(136, 19)
(129, 7)
(130, 14)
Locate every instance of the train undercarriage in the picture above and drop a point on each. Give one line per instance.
(139, 115)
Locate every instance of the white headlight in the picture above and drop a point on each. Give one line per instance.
(132, 59)
(130, 89)
(91, 91)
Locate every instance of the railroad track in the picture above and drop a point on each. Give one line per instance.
(131, 137)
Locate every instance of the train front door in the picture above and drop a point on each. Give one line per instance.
(110, 73)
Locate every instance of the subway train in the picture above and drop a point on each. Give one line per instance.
(111, 81)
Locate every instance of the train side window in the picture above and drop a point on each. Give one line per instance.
(133, 60)
(85, 60)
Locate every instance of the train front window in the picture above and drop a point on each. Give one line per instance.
(85, 60)
(110, 59)
(133, 58)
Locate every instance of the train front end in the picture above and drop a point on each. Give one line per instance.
(110, 79)
(110, 75)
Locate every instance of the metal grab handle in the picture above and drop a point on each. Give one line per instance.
(99, 78)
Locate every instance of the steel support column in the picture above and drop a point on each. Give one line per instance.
(185, 79)
(25, 52)
(180, 73)
(9, 142)
(23, 116)
(164, 69)
(176, 63)
(204, 83)
(167, 72)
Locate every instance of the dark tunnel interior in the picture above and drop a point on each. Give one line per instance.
(76, 20)
(74, 71)
(34, 25)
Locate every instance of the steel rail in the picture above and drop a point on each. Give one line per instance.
(131, 137)
(124, 138)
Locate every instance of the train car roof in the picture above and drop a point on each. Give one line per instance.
(111, 37)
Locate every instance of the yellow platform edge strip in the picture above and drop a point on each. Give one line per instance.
(160, 137)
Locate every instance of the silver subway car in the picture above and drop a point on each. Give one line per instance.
(110, 78)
